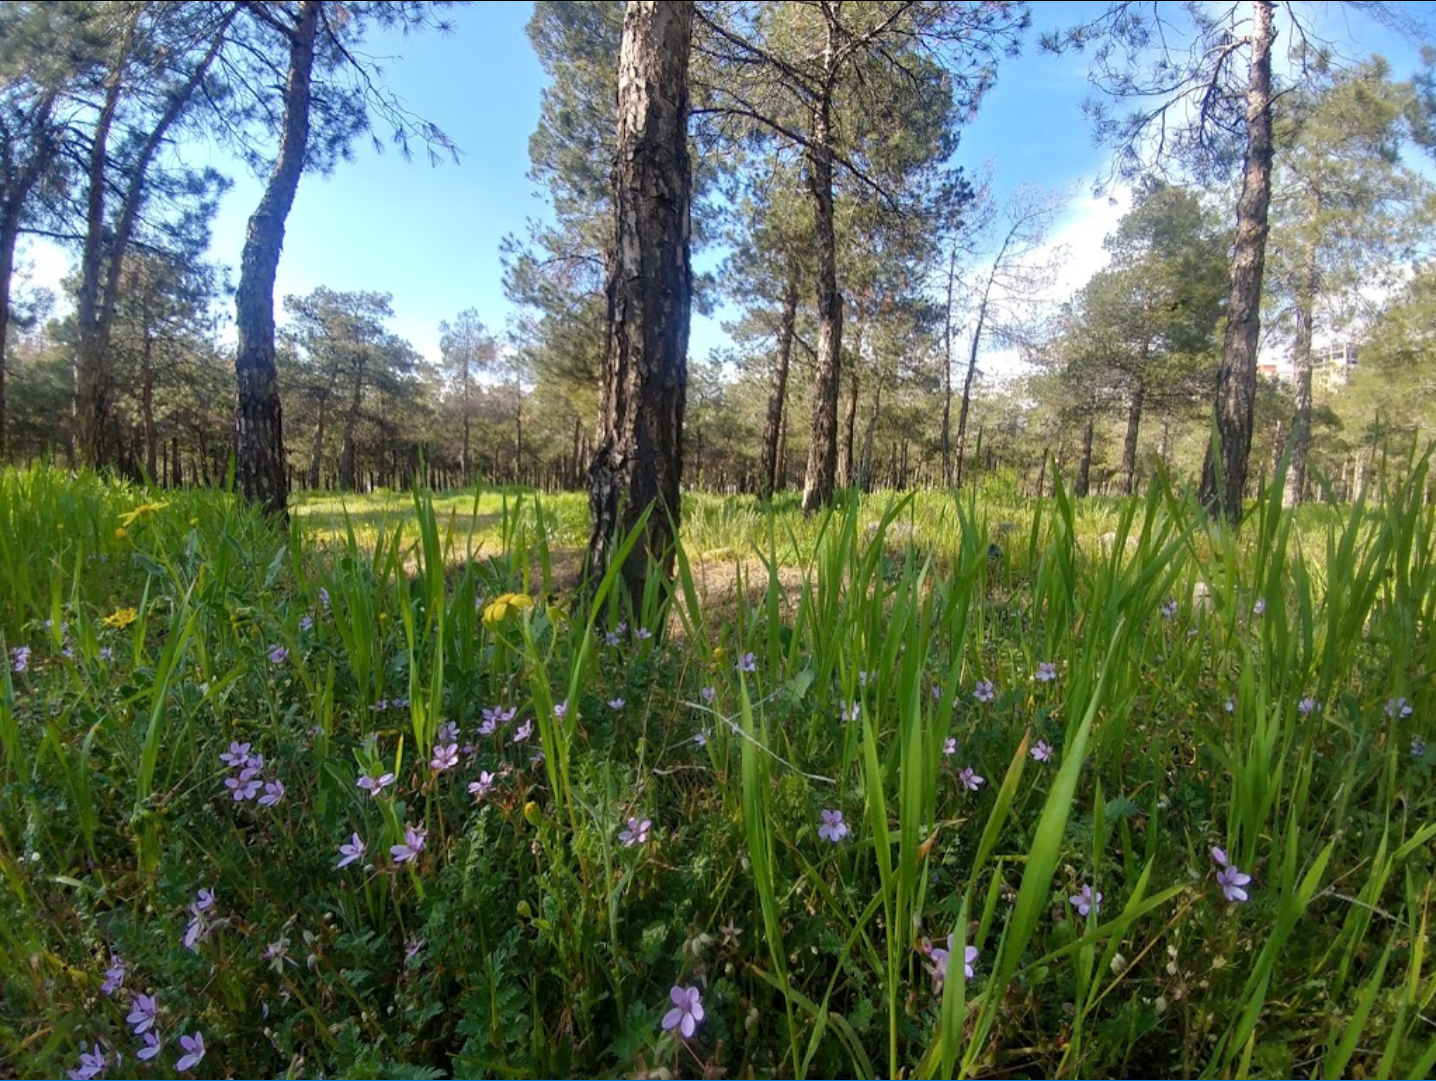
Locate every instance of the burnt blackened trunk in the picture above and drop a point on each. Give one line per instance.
(778, 390)
(639, 459)
(1224, 481)
(258, 420)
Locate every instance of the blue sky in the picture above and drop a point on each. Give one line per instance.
(431, 235)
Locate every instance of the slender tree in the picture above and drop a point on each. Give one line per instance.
(639, 460)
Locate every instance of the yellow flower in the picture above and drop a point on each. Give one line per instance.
(499, 609)
(121, 618)
(121, 533)
(141, 511)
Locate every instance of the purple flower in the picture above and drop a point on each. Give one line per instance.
(636, 833)
(747, 663)
(1231, 704)
(445, 757)
(862, 677)
(448, 733)
(351, 852)
(306, 623)
(686, 1013)
(278, 654)
(852, 712)
(1169, 610)
(1232, 882)
(379, 706)
(1307, 705)
(324, 597)
(142, 1014)
(193, 1048)
(151, 1047)
(616, 704)
(701, 739)
(20, 659)
(1086, 901)
(643, 634)
(244, 787)
(399, 703)
(1046, 672)
(195, 932)
(949, 746)
(708, 694)
(114, 975)
(1418, 748)
(254, 762)
(480, 788)
(523, 731)
(412, 946)
(1397, 707)
(560, 711)
(106, 653)
(375, 784)
(970, 780)
(984, 691)
(414, 837)
(833, 828)
(1259, 607)
(1041, 751)
(237, 756)
(611, 637)
(622, 627)
(495, 718)
(276, 951)
(536, 759)
(939, 955)
(92, 1064)
(273, 793)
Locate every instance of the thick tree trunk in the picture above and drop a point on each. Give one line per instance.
(1300, 439)
(778, 389)
(639, 459)
(1129, 447)
(316, 452)
(258, 420)
(1236, 379)
(823, 440)
(1084, 464)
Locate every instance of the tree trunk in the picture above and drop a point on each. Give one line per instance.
(1084, 464)
(865, 467)
(105, 247)
(823, 441)
(9, 236)
(1300, 438)
(1224, 482)
(639, 459)
(316, 453)
(778, 389)
(782, 472)
(845, 474)
(258, 420)
(147, 406)
(947, 371)
(1129, 448)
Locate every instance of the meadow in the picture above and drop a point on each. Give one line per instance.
(933, 785)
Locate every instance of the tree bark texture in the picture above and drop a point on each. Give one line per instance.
(823, 441)
(638, 461)
(1236, 378)
(258, 419)
(1084, 464)
(778, 389)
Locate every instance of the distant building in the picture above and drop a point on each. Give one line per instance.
(1332, 367)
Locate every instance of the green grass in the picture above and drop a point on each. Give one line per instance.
(526, 939)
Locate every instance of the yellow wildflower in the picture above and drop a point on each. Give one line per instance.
(121, 618)
(121, 533)
(498, 610)
(141, 511)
